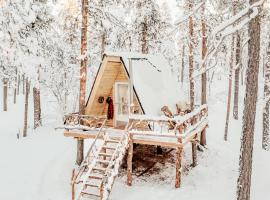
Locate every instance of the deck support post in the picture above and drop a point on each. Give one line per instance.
(73, 185)
(194, 151)
(178, 164)
(129, 160)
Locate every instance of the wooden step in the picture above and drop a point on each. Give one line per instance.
(88, 184)
(95, 177)
(105, 154)
(112, 141)
(103, 161)
(102, 169)
(108, 147)
(89, 194)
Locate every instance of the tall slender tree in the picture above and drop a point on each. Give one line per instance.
(249, 114)
(204, 51)
(266, 138)
(229, 89)
(5, 94)
(83, 71)
(237, 75)
(191, 55)
(236, 8)
(26, 105)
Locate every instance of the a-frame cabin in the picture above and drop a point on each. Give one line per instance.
(150, 77)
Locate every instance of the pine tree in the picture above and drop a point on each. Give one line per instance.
(191, 56)
(83, 71)
(247, 140)
(265, 138)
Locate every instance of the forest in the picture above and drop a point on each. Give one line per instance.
(209, 58)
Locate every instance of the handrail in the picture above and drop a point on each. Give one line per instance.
(83, 165)
(113, 158)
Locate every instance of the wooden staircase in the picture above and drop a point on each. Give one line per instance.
(99, 169)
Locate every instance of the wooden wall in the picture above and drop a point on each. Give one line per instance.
(112, 70)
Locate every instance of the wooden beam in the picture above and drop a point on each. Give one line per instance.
(157, 143)
(80, 135)
(154, 134)
(129, 161)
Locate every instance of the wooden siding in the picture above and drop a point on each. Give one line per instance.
(112, 70)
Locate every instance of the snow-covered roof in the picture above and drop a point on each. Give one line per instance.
(152, 80)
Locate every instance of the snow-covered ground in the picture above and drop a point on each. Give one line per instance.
(39, 167)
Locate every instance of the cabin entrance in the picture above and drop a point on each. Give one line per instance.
(121, 103)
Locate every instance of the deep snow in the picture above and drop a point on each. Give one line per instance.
(39, 167)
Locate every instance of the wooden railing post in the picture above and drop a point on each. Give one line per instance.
(194, 151)
(178, 163)
(194, 144)
(203, 133)
(129, 160)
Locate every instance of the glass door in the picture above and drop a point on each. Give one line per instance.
(122, 103)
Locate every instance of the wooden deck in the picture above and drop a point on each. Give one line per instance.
(187, 129)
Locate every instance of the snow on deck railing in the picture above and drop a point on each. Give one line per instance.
(187, 123)
(178, 119)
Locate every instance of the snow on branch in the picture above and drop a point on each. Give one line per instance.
(228, 27)
(195, 9)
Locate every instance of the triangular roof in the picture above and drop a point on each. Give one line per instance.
(153, 82)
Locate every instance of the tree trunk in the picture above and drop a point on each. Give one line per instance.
(37, 107)
(183, 64)
(144, 38)
(229, 91)
(103, 43)
(247, 140)
(37, 104)
(265, 138)
(191, 58)
(18, 84)
(15, 88)
(204, 51)
(23, 77)
(83, 71)
(237, 75)
(5, 93)
(27, 89)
